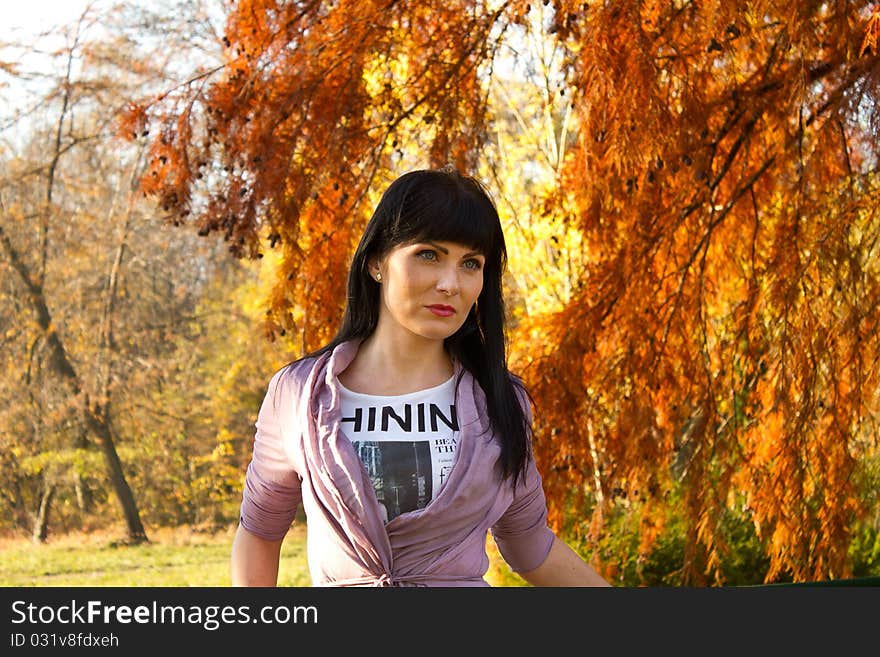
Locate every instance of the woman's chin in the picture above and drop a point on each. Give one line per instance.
(436, 333)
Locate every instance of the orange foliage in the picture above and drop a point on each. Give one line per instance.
(723, 335)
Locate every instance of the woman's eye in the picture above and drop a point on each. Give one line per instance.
(427, 252)
(473, 264)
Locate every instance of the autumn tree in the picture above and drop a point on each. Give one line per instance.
(96, 291)
(726, 324)
(32, 271)
(718, 180)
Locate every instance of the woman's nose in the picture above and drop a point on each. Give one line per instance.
(448, 282)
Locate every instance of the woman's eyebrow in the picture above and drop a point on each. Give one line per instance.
(446, 251)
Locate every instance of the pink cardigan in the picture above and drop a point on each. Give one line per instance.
(301, 457)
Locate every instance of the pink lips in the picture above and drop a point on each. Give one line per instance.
(442, 311)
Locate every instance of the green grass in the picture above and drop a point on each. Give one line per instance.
(173, 557)
(178, 557)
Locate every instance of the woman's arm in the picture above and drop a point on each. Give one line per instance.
(254, 559)
(563, 567)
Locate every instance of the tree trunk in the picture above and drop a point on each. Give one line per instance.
(597, 473)
(83, 497)
(101, 410)
(41, 524)
(83, 494)
(101, 428)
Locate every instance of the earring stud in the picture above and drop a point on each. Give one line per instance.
(378, 277)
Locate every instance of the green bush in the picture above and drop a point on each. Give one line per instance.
(742, 558)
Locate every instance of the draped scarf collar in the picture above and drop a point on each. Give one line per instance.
(339, 477)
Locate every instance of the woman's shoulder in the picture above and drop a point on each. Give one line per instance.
(300, 367)
(290, 378)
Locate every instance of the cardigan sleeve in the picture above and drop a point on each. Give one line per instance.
(522, 534)
(272, 490)
(523, 537)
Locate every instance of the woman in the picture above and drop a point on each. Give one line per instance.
(405, 438)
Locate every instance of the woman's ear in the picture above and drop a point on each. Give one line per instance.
(373, 267)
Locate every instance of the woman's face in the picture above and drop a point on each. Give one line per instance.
(428, 288)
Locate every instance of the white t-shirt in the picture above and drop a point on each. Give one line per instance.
(407, 442)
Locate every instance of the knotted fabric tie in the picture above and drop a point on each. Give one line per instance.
(385, 579)
(367, 580)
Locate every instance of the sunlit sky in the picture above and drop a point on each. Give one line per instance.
(21, 24)
(22, 18)
(23, 21)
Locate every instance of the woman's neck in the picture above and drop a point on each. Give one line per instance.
(397, 366)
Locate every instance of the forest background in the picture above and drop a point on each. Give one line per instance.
(689, 194)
